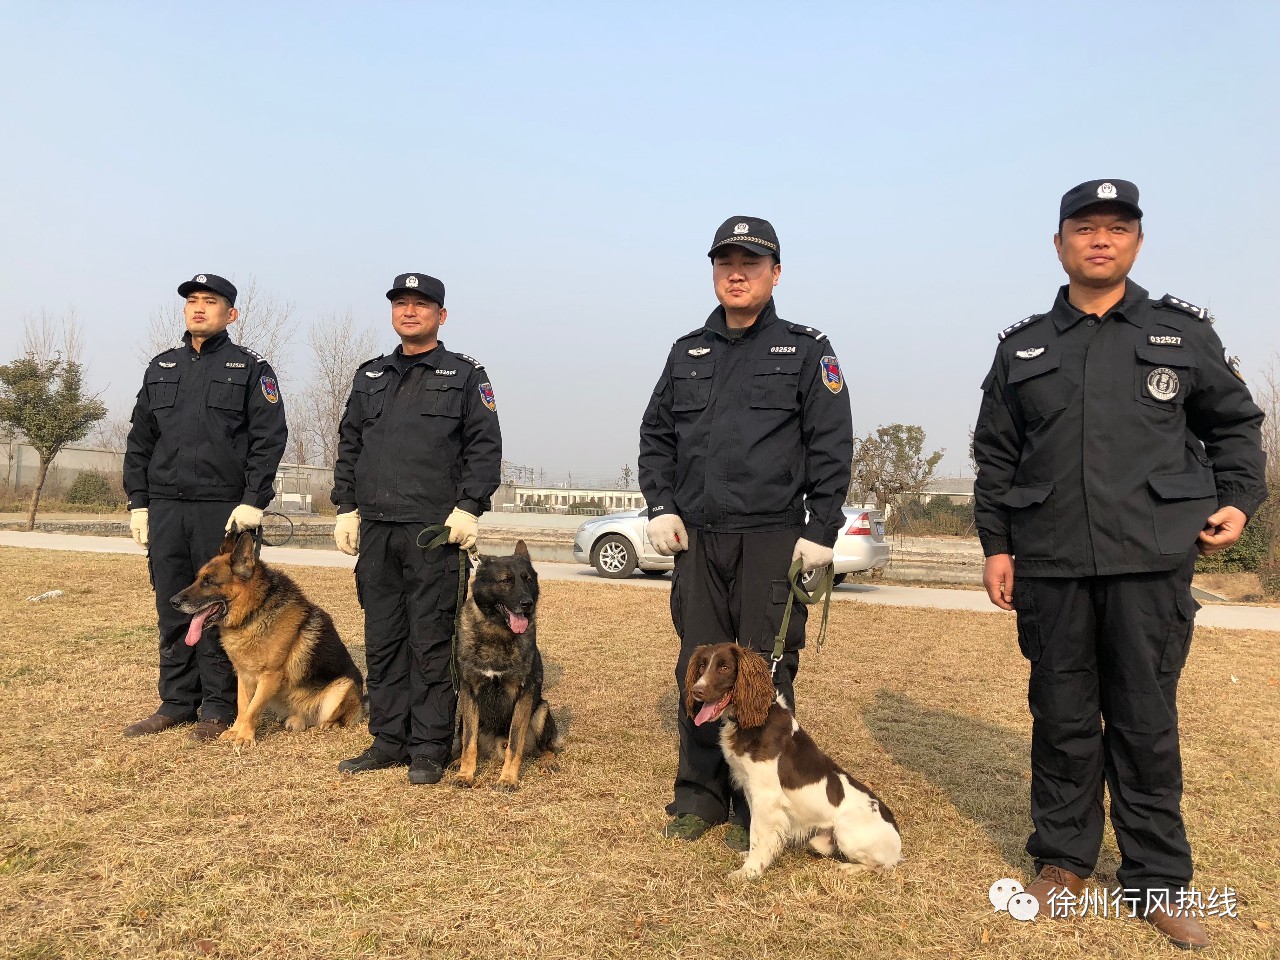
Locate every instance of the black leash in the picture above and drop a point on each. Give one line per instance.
(821, 594)
(260, 538)
(440, 540)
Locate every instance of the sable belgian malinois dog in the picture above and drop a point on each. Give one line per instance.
(500, 669)
(285, 649)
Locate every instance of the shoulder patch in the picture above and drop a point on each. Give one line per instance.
(1170, 302)
(471, 360)
(804, 331)
(253, 353)
(1024, 322)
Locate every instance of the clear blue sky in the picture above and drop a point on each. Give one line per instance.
(563, 166)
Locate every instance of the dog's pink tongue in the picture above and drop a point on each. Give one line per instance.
(710, 711)
(197, 625)
(518, 622)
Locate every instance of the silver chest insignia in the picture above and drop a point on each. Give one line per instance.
(699, 351)
(1030, 353)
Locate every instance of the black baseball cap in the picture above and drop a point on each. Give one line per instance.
(1094, 192)
(209, 281)
(429, 287)
(751, 233)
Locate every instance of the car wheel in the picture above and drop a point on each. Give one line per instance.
(806, 579)
(841, 578)
(614, 557)
(655, 573)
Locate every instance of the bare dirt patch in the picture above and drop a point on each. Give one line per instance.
(155, 848)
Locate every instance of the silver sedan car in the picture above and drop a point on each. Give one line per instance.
(617, 544)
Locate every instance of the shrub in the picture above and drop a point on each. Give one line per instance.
(91, 488)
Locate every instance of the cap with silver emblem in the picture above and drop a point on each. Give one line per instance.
(750, 233)
(429, 287)
(211, 282)
(1092, 192)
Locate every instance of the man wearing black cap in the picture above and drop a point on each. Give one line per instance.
(419, 446)
(207, 435)
(1114, 439)
(749, 426)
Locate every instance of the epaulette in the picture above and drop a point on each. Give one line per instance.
(163, 353)
(369, 361)
(253, 353)
(1024, 322)
(1169, 301)
(693, 333)
(471, 360)
(806, 331)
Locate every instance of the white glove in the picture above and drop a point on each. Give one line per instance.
(245, 517)
(463, 528)
(346, 532)
(138, 526)
(814, 556)
(668, 535)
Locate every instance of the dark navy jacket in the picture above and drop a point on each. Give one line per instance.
(742, 434)
(414, 445)
(206, 426)
(1103, 444)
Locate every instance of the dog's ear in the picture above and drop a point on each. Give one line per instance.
(697, 663)
(521, 550)
(229, 540)
(753, 691)
(242, 557)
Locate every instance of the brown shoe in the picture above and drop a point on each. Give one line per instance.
(1047, 888)
(153, 724)
(1184, 932)
(207, 730)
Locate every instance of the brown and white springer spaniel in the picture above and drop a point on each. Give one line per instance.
(795, 791)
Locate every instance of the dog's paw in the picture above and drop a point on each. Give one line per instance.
(296, 724)
(466, 782)
(507, 784)
(746, 872)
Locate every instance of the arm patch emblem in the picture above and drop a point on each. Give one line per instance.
(831, 375)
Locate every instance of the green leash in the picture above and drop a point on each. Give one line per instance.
(442, 539)
(821, 594)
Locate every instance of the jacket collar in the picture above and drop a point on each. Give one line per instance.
(716, 322)
(396, 357)
(1065, 316)
(211, 345)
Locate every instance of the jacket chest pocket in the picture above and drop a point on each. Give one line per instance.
(775, 383)
(1038, 385)
(162, 388)
(371, 395)
(1164, 376)
(442, 398)
(691, 385)
(227, 391)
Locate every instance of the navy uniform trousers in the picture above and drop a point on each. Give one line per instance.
(195, 682)
(409, 595)
(1106, 654)
(728, 588)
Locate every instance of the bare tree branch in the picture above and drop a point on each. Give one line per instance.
(337, 348)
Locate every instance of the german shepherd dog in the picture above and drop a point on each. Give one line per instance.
(500, 670)
(286, 651)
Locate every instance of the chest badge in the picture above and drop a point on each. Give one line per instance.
(270, 389)
(235, 366)
(1030, 353)
(1164, 341)
(1163, 383)
(168, 366)
(374, 374)
(486, 395)
(831, 375)
(699, 351)
(782, 349)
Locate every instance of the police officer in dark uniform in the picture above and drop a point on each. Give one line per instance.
(206, 438)
(419, 446)
(749, 426)
(1114, 438)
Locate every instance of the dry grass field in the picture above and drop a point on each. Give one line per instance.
(158, 848)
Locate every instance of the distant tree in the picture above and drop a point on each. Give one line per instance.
(336, 349)
(110, 434)
(624, 481)
(889, 464)
(44, 398)
(973, 456)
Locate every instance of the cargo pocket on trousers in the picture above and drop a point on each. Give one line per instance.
(1024, 606)
(1178, 643)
